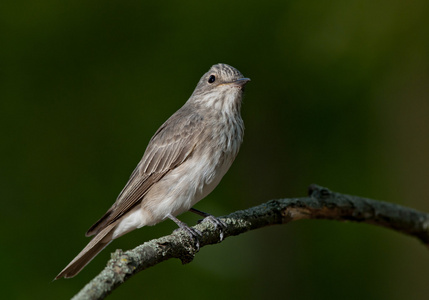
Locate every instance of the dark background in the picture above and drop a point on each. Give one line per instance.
(339, 97)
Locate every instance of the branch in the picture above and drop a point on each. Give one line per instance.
(320, 204)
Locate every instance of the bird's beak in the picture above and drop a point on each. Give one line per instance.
(240, 82)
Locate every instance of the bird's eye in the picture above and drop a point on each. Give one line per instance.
(212, 78)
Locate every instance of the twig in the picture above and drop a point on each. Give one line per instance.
(320, 204)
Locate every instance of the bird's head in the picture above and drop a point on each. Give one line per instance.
(221, 85)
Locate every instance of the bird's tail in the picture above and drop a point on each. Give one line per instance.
(98, 243)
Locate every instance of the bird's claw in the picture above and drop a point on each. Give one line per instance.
(217, 223)
(193, 233)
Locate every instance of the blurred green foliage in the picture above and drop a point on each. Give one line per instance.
(339, 97)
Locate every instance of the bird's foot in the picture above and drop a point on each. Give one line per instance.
(217, 223)
(193, 233)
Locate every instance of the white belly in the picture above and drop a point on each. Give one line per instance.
(176, 192)
(180, 189)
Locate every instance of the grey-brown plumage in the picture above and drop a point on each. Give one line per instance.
(183, 162)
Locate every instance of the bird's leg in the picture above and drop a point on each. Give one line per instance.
(218, 224)
(192, 232)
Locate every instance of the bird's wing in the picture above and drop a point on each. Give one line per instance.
(171, 145)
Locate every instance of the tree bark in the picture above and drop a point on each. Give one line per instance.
(321, 203)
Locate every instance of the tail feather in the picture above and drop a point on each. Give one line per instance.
(97, 227)
(98, 243)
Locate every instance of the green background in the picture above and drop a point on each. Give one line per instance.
(339, 97)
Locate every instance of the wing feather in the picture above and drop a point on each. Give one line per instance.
(171, 145)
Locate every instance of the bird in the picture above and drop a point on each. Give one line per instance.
(184, 161)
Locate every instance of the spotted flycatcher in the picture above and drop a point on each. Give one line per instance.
(184, 161)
